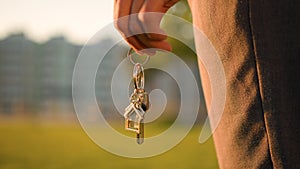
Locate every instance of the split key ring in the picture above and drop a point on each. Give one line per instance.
(130, 54)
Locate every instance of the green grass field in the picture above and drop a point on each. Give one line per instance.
(60, 146)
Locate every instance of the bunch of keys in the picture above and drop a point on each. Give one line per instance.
(139, 102)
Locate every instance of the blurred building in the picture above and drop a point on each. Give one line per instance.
(36, 79)
(33, 75)
(54, 67)
(16, 73)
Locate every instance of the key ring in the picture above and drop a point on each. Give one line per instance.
(129, 54)
(138, 76)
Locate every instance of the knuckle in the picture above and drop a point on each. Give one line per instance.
(134, 29)
(119, 25)
(144, 17)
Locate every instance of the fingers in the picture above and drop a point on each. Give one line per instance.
(151, 22)
(170, 3)
(154, 37)
(156, 44)
(136, 6)
(136, 26)
(122, 8)
(132, 22)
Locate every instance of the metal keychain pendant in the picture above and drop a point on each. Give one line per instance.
(139, 102)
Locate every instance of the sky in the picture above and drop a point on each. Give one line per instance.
(41, 19)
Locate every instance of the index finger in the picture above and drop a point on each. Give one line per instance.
(122, 10)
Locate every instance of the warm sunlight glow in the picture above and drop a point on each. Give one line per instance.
(41, 19)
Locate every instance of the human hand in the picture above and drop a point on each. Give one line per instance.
(140, 29)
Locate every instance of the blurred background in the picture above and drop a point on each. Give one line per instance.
(39, 44)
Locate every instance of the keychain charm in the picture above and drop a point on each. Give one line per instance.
(139, 102)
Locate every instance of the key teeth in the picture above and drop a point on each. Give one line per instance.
(139, 139)
(140, 136)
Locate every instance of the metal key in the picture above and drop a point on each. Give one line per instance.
(139, 104)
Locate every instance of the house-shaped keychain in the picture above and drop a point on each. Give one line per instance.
(139, 104)
(134, 119)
